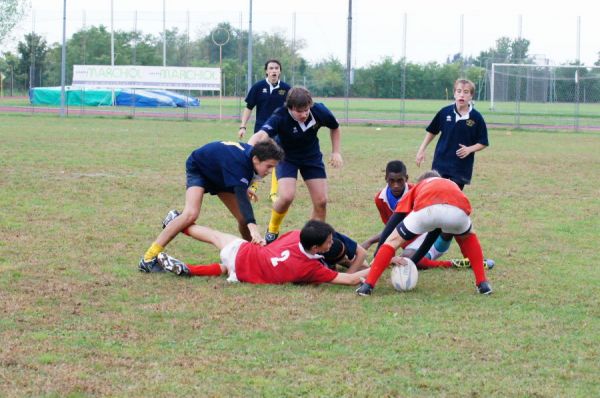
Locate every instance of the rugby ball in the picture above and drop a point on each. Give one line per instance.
(405, 277)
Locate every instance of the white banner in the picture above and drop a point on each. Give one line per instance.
(135, 76)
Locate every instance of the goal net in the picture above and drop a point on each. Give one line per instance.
(535, 83)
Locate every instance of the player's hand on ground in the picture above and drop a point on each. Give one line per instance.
(463, 151)
(336, 160)
(420, 158)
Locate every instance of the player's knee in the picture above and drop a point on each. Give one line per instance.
(188, 217)
(320, 203)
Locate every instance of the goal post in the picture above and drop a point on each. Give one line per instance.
(544, 83)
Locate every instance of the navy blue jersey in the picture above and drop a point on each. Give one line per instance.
(467, 130)
(299, 142)
(342, 248)
(265, 100)
(223, 164)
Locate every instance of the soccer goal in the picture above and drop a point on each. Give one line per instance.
(544, 84)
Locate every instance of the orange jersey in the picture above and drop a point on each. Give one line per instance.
(434, 191)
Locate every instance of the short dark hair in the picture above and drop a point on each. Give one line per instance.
(428, 174)
(267, 149)
(396, 166)
(298, 97)
(273, 61)
(315, 233)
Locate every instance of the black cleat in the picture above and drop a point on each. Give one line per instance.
(364, 289)
(484, 288)
(150, 266)
(173, 265)
(173, 214)
(270, 237)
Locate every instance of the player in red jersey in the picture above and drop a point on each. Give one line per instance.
(434, 203)
(293, 258)
(386, 200)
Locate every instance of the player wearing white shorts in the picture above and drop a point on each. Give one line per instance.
(433, 204)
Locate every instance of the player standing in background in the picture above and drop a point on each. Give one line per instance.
(266, 95)
(293, 258)
(434, 203)
(295, 128)
(225, 169)
(463, 132)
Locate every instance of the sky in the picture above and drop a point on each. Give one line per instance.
(435, 29)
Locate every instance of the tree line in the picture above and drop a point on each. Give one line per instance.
(38, 63)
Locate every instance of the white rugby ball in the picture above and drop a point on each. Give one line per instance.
(405, 277)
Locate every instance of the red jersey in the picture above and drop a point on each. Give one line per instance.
(383, 204)
(434, 191)
(282, 261)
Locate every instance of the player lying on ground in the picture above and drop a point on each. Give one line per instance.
(293, 258)
(344, 251)
(225, 169)
(434, 204)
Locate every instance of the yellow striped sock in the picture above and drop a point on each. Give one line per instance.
(274, 187)
(276, 220)
(153, 251)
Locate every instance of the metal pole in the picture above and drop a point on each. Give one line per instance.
(403, 89)
(63, 62)
(112, 33)
(578, 41)
(221, 90)
(250, 47)
(348, 58)
(112, 45)
(493, 77)
(164, 34)
(462, 45)
(293, 49)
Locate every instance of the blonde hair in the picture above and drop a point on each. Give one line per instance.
(465, 82)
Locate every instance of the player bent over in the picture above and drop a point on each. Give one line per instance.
(434, 203)
(293, 258)
(225, 169)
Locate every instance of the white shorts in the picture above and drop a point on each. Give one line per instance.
(449, 218)
(228, 255)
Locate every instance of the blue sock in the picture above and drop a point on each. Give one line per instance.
(442, 245)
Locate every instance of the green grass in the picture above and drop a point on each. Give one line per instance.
(561, 116)
(82, 198)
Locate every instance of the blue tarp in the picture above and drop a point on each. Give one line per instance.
(182, 101)
(143, 98)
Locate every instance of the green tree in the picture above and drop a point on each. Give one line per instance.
(32, 56)
(328, 78)
(11, 12)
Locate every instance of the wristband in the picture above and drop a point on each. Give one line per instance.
(243, 127)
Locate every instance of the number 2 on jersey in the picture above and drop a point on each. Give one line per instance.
(284, 256)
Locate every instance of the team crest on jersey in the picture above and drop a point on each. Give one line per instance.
(295, 130)
(281, 92)
(448, 118)
(264, 90)
(470, 122)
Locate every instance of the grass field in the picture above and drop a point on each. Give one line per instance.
(82, 198)
(558, 116)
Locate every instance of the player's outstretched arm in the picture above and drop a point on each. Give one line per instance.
(350, 279)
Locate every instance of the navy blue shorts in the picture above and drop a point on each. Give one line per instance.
(195, 178)
(308, 170)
